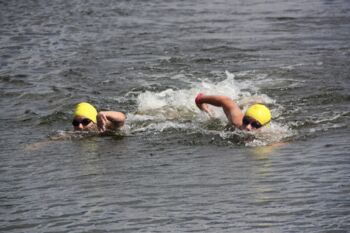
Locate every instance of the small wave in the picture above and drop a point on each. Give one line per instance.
(273, 133)
(77, 135)
(71, 135)
(312, 125)
(159, 127)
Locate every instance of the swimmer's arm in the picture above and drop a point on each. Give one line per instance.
(110, 120)
(203, 106)
(231, 109)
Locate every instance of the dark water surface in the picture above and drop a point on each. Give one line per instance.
(171, 168)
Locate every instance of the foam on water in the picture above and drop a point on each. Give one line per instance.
(176, 109)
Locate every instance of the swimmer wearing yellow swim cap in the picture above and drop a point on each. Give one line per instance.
(86, 118)
(256, 116)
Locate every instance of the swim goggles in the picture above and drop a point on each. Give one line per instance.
(84, 122)
(249, 121)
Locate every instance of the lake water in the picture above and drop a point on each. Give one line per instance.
(171, 168)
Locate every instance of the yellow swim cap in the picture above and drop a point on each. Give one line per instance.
(260, 113)
(86, 110)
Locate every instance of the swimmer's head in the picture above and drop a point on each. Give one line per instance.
(84, 117)
(257, 116)
(86, 110)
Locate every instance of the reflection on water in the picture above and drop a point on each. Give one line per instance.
(263, 152)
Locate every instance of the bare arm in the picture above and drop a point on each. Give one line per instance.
(231, 109)
(110, 120)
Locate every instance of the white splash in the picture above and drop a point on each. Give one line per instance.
(176, 109)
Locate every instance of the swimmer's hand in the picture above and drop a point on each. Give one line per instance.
(101, 122)
(203, 106)
(110, 120)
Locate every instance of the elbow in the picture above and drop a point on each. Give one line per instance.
(226, 100)
(122, 119)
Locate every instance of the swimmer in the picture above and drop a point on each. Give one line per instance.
(86, 118)
(256, 116)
